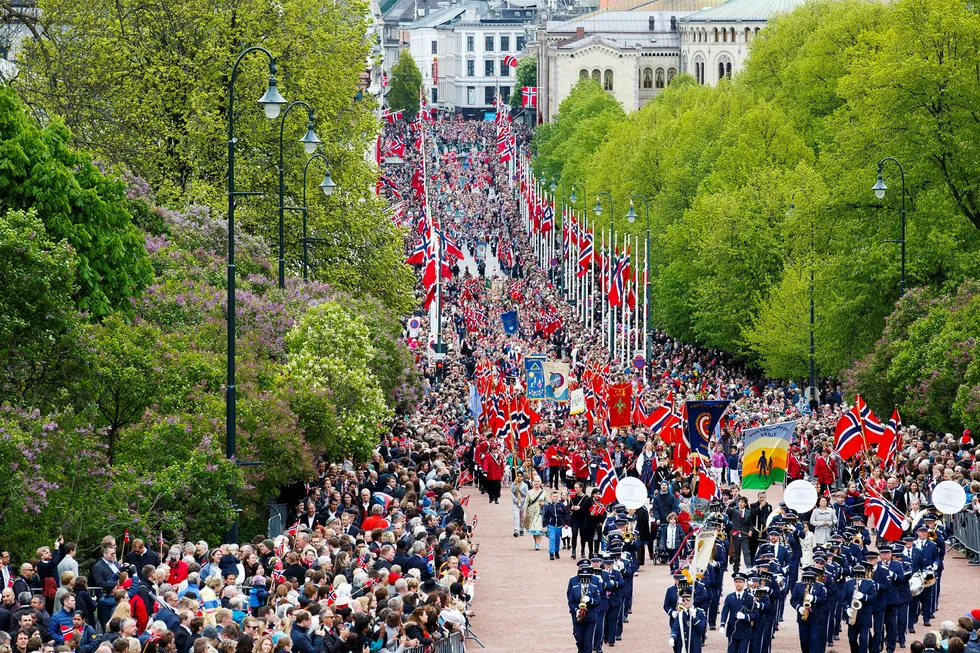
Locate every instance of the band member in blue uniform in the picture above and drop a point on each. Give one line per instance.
(882, 576)
(738, 612)
(599, 578)
(807, 598)
(925, 557)
(861, 592)
(937, 531)
(583, 599)
(672, 598)
(717, 570)
(767, 613)
(688, 631)
(614, 594)
(897, 597)
(834, 582)
(760, 627)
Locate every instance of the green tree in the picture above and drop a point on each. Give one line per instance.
(77, 203)
(43, 341)
(527, 75)
(404, 85)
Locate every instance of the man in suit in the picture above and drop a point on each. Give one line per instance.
(582, 592)
(925, 556)
(310, 518)
(141, 556)
(898, 494)
(182, 633)
(738, 612)
(864, 590)
(105, 569)
(741, 520)
(7, 574)
(761, 509)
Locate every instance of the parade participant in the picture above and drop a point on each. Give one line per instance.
(862, 591)
(518, 491)
(737, 615)
(937, 531)
(768, 612)
(583, 600)
(672, 597)
(602, 580)
(882, 576)
(494, 467)
(581, 504)
(897, 598)
(834, 582)
(761, 628)
(717, 568)
(925, 556)
(554, 516)
(670, 536)
(533, 505)
(741, 521)
(688, 629)
(614, 594)
(806, 598)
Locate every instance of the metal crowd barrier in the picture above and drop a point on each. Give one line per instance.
(452, 644)
(965, 527)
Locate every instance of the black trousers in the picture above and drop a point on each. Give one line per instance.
(555, 473)
(493, 490)
(576, 533)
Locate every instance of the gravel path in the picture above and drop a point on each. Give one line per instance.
(520, 597)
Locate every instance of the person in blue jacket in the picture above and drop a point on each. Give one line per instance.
(925, 557)
(737, 614)
(60, 623)
(864, 590)
(898, 597)
(583, 602)
(882, 575)
(688, 632)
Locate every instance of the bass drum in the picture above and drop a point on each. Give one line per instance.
(916, 584)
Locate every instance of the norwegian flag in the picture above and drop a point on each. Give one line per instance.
(66, 631)
(392, 116)
(585, 255)
(449, 246)
(277, 576)
(529, 96)
(616, 285)
(848, 437)
(682, 443)
(888, 518)
(465, 477)
(282, 546)
(126, 536)
(384, 79)
(641, 414)
(598, 508)
(430, 560)
(606, 479)
(332, 597)
(387, 181)
(385, 500)
(510, 60)
(547, 218)
(873, 430)
(396, 147)
(888, 447)
(707, 488)
(465, 501)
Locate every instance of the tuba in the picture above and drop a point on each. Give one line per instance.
(807, 601)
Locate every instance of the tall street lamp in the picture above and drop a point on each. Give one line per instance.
(631, 216)
(597, 210)
(272, 102)
(310, 140)
(327, 186)
(879, 190)
(573, 199)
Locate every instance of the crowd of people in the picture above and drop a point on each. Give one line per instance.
(380, 555)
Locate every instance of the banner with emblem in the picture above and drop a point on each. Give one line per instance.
(534, 371)
(509, 321)
(577, 401)
(556, 381)
(620, 404)
(702, 417)
(765, 455)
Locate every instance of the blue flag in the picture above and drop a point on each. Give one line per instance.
(509, 320)
(476, 405)
(702, 417)
(534, 368)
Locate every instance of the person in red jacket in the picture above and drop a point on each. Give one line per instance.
(178, 568)
(823, 471)
(580, 467)
(479, 454)
(494, 463)
(554, 455)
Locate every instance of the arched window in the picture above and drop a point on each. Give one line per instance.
(596, 76)
(671, 73)
(724, 67)
(748, 34)
(724, 35)
(660, 77)
(757, 31)
(608, 80)
(717, 39)
(731, 34)
(683, 63)
(699, 69)
(647, 78)
(583, 74)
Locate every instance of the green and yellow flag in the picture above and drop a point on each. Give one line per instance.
(765, 454)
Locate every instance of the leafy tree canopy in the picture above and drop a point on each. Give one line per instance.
(404, 85)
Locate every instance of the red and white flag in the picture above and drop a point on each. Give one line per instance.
(529, 96)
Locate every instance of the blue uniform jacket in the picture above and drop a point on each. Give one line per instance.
(870, 591)
(734, 627)
(927, 556)
(693, 629)
(575, 594)
(883, 579)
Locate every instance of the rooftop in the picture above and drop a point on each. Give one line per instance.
(617, 22)
(743, 10)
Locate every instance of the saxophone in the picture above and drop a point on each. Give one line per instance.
(807, 602)
(856, 604)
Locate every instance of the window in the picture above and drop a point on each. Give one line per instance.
(435, 47)
(471, 95)
(671, 72)
(435, 95)
(488, 44)
(748, 33)
(488, 68)
(583, 74)
(717, 39)
(724, 35)
(470, 68)
(488, 93)
(699, 69)
(731, 34)
(469, 43)
(596, 76)
(505, 44)
(608, 80)
(660, 77)
(724, 68)
(505, 93)
(647, 78)
(519, 44)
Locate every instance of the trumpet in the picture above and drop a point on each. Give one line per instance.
(932, 534)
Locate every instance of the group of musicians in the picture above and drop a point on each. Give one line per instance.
(877, 595)
(600, 595)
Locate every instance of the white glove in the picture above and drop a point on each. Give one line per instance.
(714, 563)
(673, 614)
(859, 595)
(670, 642)
(586, 599)
(850, 612)
(740, 615)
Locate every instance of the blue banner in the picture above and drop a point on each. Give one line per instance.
(702, 417)
(534, 369)
(476, 404)
(509, 320)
